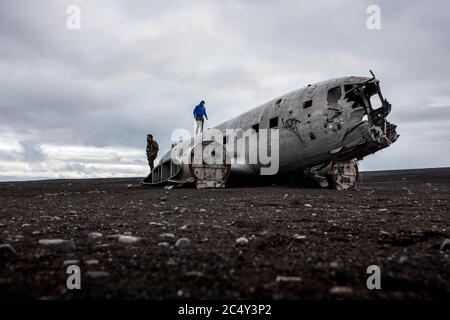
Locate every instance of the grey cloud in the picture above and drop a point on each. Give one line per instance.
(32, 152)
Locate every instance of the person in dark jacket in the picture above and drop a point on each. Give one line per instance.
(199, 116)
(152, 152)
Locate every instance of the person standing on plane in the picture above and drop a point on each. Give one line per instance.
(200, 115)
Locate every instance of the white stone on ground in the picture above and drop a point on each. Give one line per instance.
(183, 243)
(242, 240)
(128, 239)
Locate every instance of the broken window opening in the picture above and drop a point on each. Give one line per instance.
(256, 127)
(278, 102)
(334, 94)
(352, 95)
(225, 140)
(312, 136)
(371, 88)
(273, 123)
(307, 104)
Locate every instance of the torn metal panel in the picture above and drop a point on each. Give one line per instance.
(339, 175)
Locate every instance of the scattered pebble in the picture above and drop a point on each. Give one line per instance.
(334, 265)
(94, 236)
(183, 243)
(288, 279)
(167, 235)
(128, 239)
(445, 245)
(163, 244)
(383, 210)
(60, 245)
(341, 290)
(67, 263)
(308, 205)
(203, 211)
(96, 274)
(194, 274)
(50, 242)
(26, 225)
(6, 249)
(91, 262)
(241, 241)
(171, 262)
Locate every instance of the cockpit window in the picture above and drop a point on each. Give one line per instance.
(375, 102)
(352, 96)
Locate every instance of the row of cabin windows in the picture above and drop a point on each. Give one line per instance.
(332, 93)
(273, 123)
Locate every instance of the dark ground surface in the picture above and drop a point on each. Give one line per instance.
(396, 220)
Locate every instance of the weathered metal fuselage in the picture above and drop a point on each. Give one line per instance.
(329, 121)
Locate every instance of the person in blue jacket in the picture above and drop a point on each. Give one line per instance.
(200, 115)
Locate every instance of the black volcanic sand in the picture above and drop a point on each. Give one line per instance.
(397, 220)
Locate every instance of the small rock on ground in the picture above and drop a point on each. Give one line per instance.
(241, 241)
(96, 274)
(128, 239)
(63, 246)
(341, 290)
(94, 236)
(445, 245)
(7, 249)
(183, 243)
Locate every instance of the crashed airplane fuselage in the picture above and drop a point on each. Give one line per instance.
(320, 130)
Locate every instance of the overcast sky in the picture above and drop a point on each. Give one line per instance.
(78, 103)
